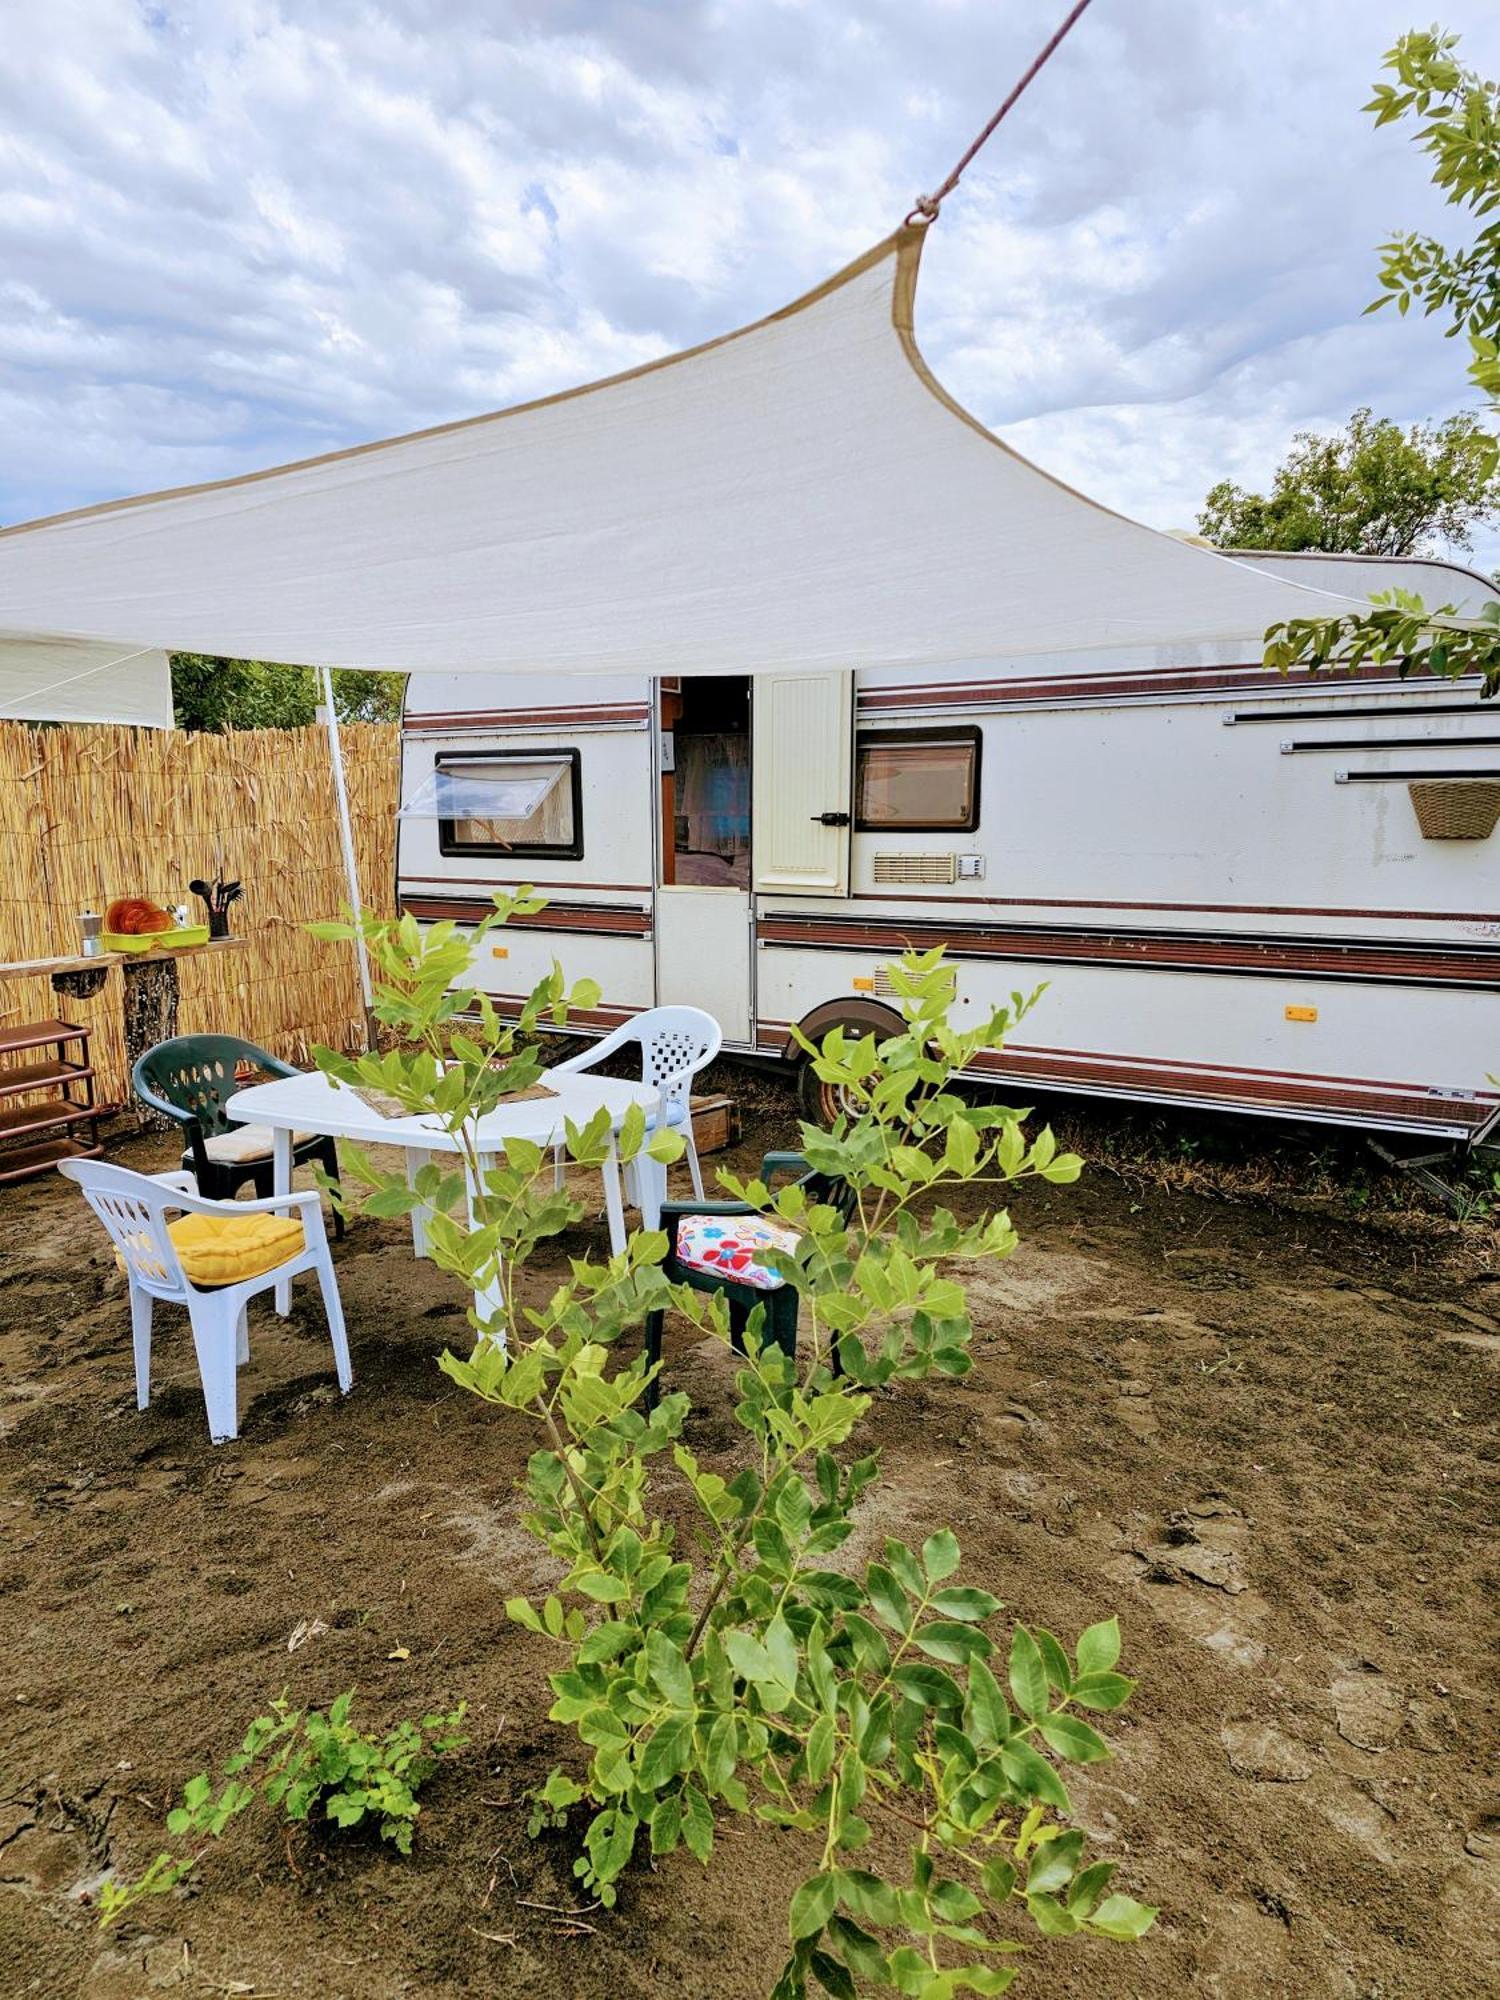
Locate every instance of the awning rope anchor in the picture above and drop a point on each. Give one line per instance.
(924, 210)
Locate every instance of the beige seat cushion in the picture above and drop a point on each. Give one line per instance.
(244, 1144)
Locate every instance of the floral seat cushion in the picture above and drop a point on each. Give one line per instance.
(733, 1246)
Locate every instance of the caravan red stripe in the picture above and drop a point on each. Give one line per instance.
(1420, 1107)
(777, 1034)
(1314, 958)
(438, 885)
(612, 918)
(579, 1019)
(529, 718)
(1123, 686)
(901, 895)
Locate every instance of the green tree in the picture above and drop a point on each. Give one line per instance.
(1457, 116)
(1372, 490)
(1458, 112)
(213, 694)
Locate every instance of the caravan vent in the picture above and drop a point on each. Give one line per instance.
(916, 867)
(878, 981)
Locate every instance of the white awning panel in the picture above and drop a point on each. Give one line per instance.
(61, 680)
(798, 496)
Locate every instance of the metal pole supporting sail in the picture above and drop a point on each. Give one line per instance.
(346, 839)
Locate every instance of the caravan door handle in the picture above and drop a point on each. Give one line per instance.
(830, 819)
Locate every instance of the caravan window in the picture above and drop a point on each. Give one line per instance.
(511, 802)
(926, 780)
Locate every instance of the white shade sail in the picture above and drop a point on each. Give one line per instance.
(60, 680)
(801, 494)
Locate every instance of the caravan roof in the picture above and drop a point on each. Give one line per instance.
(1432, 578)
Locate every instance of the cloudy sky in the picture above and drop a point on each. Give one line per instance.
(234, 232)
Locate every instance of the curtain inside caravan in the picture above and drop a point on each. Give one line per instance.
(713, 809)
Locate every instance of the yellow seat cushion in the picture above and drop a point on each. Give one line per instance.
(225, 1249)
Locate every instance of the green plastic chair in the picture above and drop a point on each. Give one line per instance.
(189, 1080)
(780, 1301)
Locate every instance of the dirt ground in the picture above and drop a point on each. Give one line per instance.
(1265, 1437)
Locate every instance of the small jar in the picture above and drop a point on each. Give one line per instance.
(90, 943)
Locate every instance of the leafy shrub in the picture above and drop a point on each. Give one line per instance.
(763, 1679)
(302, 1761)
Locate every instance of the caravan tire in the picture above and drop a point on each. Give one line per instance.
(822, 1102)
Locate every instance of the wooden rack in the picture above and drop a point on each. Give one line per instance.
(53, 1123)
(147, 991)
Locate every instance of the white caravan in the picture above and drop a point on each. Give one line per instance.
(1219, 873)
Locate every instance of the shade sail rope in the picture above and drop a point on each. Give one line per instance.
(88, 673)
(926, 206)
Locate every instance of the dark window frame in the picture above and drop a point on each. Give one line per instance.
(450, 845)
(960, 732)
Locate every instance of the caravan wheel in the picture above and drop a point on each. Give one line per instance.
(822, 1102)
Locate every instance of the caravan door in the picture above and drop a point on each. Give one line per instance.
(804, 753)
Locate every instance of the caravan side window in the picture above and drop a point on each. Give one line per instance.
(511, 802)
(925, 780)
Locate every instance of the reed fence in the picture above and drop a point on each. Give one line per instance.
(91, 813)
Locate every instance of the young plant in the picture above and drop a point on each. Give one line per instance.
(1477, 1196)
(302, 1761)
(855, 1709)
(453, 1057)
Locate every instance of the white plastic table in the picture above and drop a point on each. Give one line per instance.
(312, 1103)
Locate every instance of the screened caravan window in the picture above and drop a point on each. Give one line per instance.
(926, 780)
(515, 802)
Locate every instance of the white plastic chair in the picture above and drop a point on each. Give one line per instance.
(134, 1208)
(675, 1043)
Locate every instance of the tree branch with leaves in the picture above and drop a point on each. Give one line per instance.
(1456, 112)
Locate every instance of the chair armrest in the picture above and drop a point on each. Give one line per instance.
(191, 1129)
(775, 1164)
(158, 1103)
(276, 1067)
(618, 1038)
(673, 1212)
(271, 1204)
(677, 1209)
(573, 1064)
(184, 1183)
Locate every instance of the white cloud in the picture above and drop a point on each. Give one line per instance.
(236, 231)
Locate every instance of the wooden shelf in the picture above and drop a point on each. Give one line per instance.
(37, 1075)
(58, 1116)
(20, 1162)
(41, 968)
(38, 1034)
(38, 1117)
